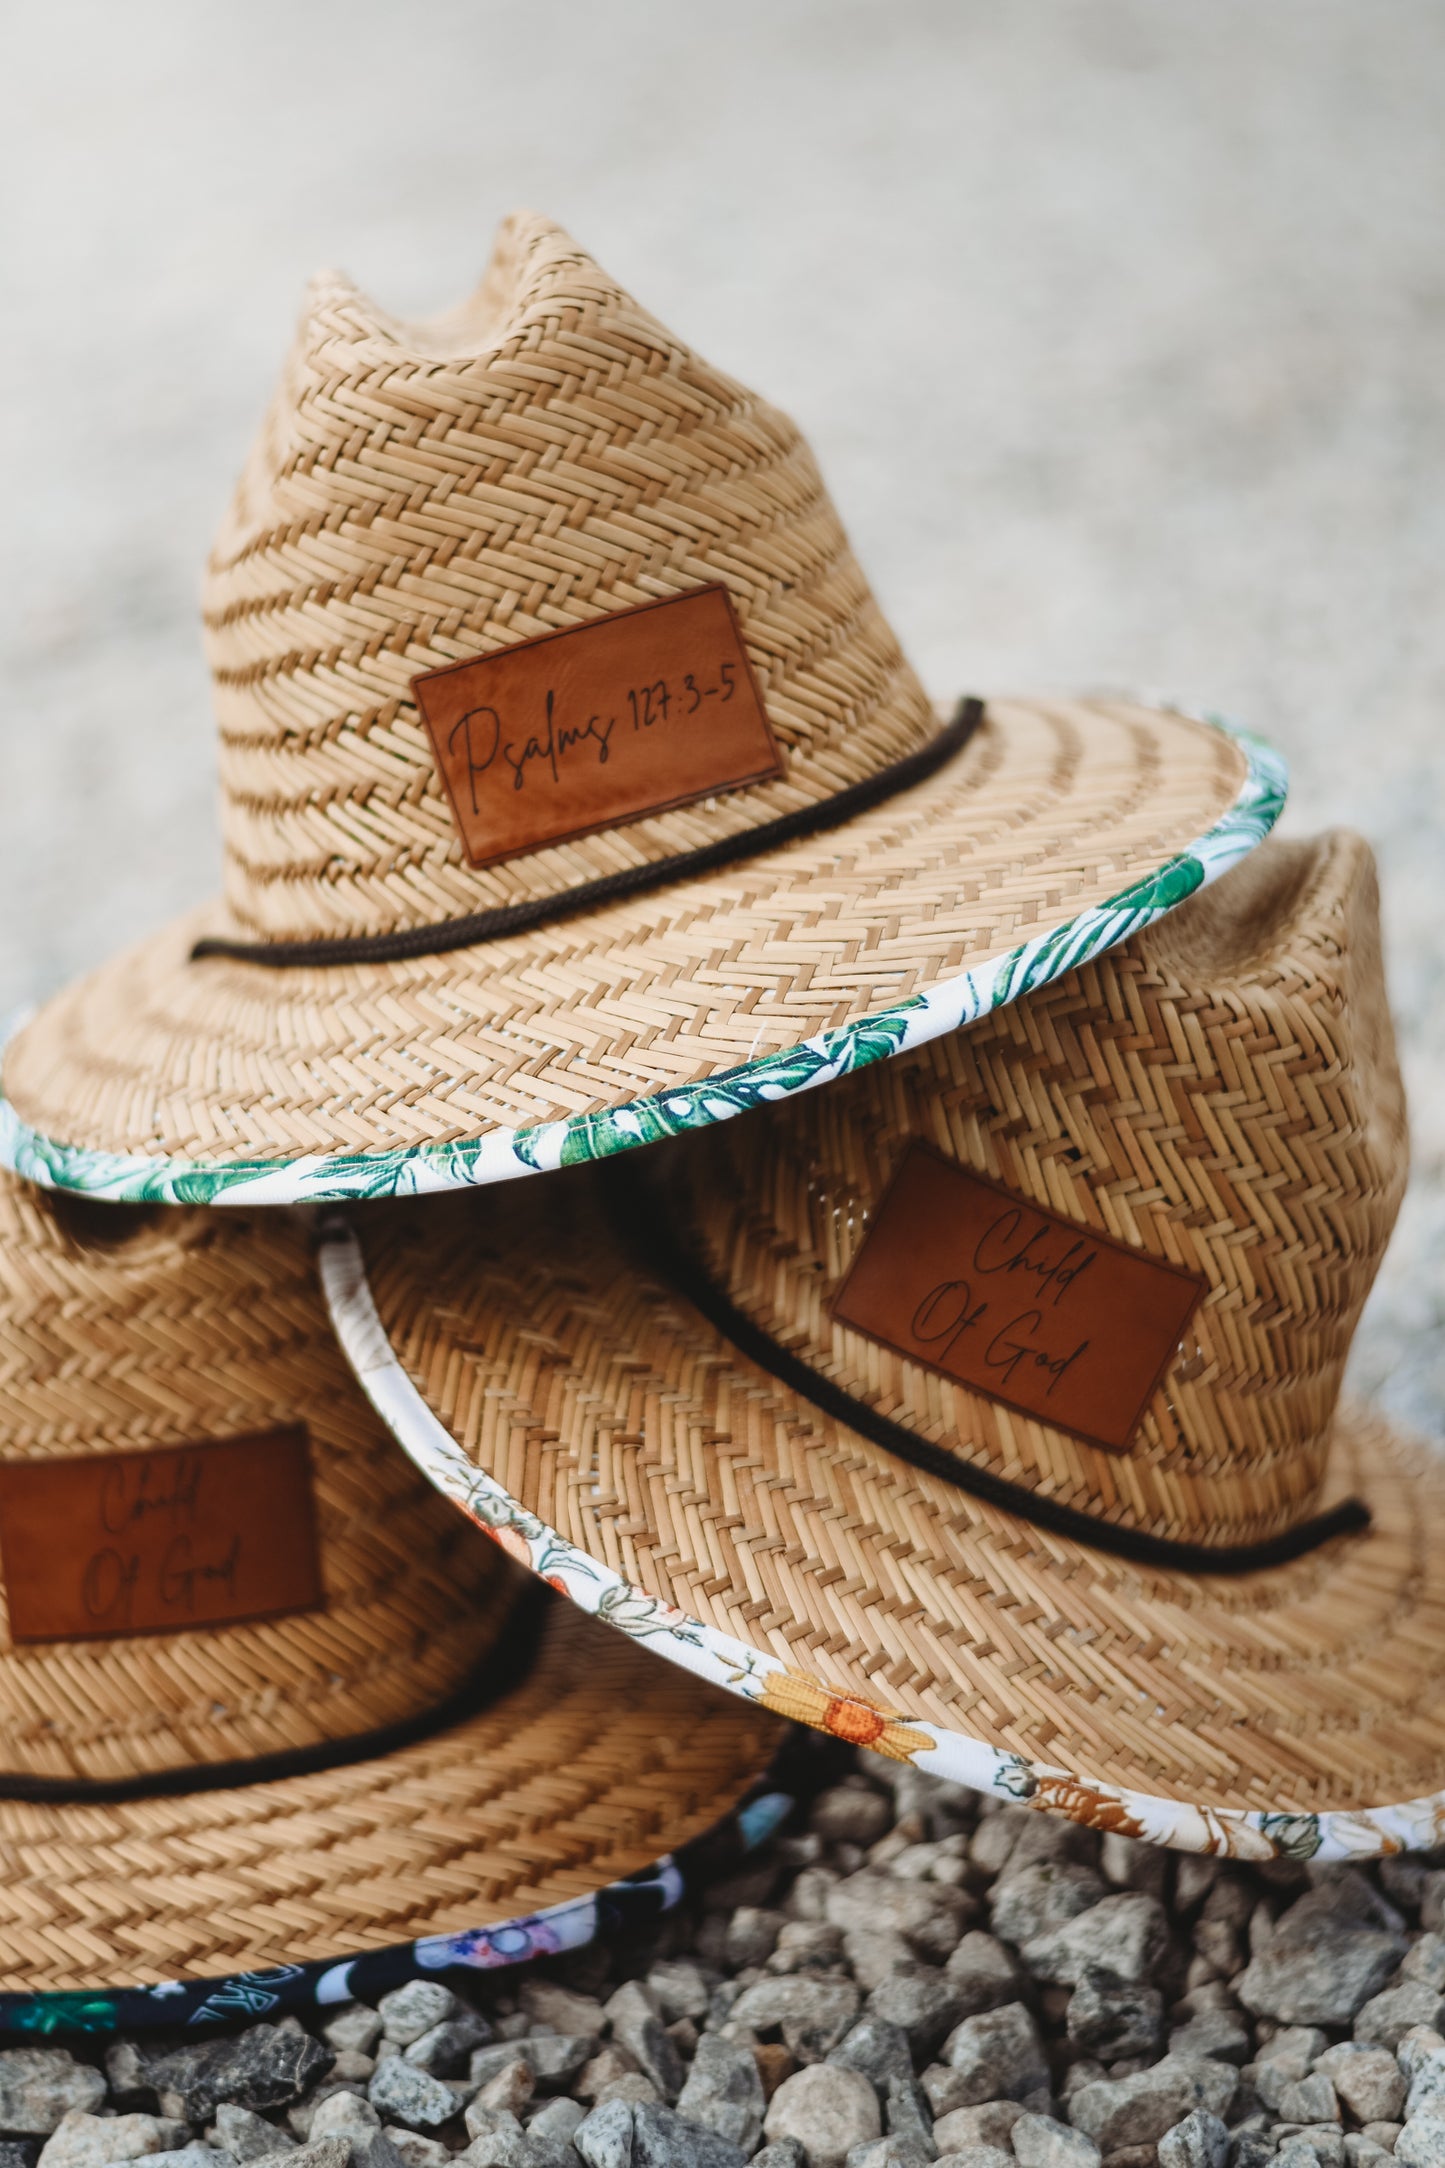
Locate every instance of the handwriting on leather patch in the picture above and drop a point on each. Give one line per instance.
(1010, 1300)
(104, 1545)
(579, 730)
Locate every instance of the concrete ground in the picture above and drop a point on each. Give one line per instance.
(1119, 326)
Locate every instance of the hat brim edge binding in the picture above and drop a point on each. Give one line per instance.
(720, 1660)
(227, 1999)
(507, 1154)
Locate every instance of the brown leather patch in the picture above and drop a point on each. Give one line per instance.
(110, 1544)
(1012, 1301)
(584, 729)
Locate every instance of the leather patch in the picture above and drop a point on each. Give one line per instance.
(111, 1544)
(584, 729)
(1012, 1301)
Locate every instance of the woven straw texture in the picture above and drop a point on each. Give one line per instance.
(136, 1332)
(1056, 808)
(425, 493)
(1236, 1098)
(603, 1761)
(1223, 1094)
(130, 1331)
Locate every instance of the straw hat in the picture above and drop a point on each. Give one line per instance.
(265, 1701)
(983, 1409)
(575, 789)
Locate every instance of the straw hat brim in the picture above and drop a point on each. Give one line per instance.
(554, 1389)
(1062, 828)
(597, 1765)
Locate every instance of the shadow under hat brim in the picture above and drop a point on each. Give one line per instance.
(1062, 828)
(557, 1392)
(594, 1768)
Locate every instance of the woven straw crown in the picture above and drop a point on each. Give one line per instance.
(425, 492)
(124, 1331)
(1222, 1093)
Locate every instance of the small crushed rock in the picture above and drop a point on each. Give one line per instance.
(916, 1978)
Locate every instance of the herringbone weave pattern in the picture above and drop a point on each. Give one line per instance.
(136, 1331)
(1223, 1093)
(425, 492)
(422, 493)
(1222, 1090)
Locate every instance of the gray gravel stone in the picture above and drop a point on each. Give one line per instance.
(443, 2049)
(82, 2140)
(828, 2109)
(403, 2094)
(990, 2123)
(548, 2002)
(1309, 2100)
(415, 2149)
(1039, 2141)
(877, 2048)
(870, 1958)
(1219, 2035)
(813, 2015)
(1111, 2017)
(971, 2156)
(1367, 2079)
(353, 2027)
(907, 2114)
(1037, 1900)
(245, 2135)
(604, 2138)
(1386, 2018)
(1426, 1961)
(925, 2004)
(1427, 2084)
(851, 1814)
(661, 2138)
(929, 1916)
(502, 2143)
(198, 2155)
(1292, 2051)
(983, 1973)
(724, 2092)
(637, 2023)
(1201, 2140)
(266, 2066)
(19, 2152)
(890, 2152)
(344, 2115)
(509, 2088)
(324, 2153)
(783, 2153)
(1127, 1935)
(408, 2012)
(555, 2059)
(997, 2055)
(752, 1936)
(1325, 1957)
(1417, 2047)
(40, 2085)
(1137, 2110)
(681, 1988)
(1421, 2144)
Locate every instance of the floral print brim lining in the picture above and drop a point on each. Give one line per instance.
(504, 1154)
(1238, 1833)
(245, 1997)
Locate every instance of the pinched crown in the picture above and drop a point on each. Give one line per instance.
(425, 493)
